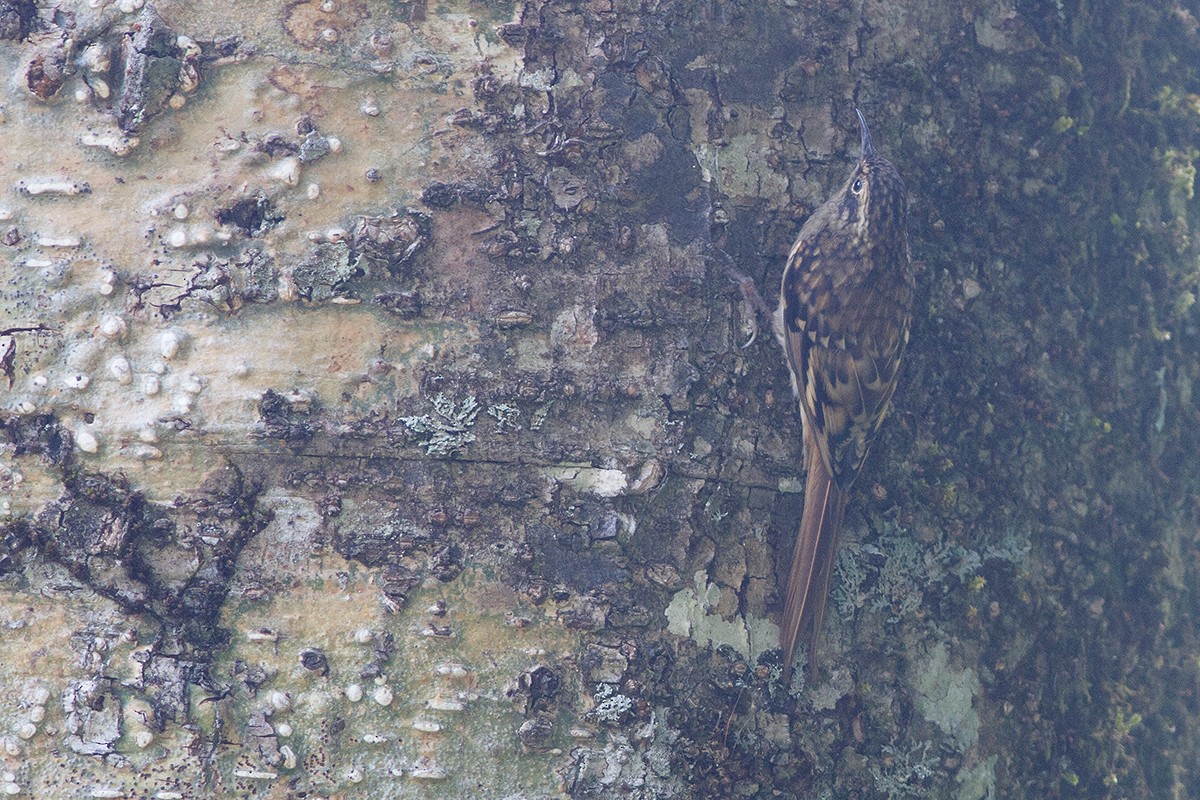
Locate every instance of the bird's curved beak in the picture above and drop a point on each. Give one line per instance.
(868, 149)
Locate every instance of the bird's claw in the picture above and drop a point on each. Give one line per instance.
(753, 333)
(752, 302)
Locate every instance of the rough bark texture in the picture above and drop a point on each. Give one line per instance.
(450, 476)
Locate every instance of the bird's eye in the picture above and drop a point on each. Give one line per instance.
(857, 187)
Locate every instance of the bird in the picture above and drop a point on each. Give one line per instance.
(843, 320)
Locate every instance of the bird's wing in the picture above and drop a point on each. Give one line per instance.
(843, 385)
(843, 382)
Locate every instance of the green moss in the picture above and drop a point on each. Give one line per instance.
(1183, 303)
(1063, 124)
(1179, 169)
(1122, 724)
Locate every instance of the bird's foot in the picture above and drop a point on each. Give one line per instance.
(753, 303)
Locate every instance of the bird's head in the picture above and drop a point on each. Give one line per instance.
(873, 200)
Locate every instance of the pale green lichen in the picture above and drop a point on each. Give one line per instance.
(688, 614)
(506, 416)
(893, 572)
(590, 480)
(825, 696)
(944, 696)
(889, 574)
(906, 772)
(448, 429)
(538, 418)
(977, 782)
(611, 706)
(324, 273)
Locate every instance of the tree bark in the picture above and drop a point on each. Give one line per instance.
(379, 419)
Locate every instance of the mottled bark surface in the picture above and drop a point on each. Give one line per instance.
(376, 420)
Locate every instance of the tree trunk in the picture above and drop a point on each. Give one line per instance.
(378, 419)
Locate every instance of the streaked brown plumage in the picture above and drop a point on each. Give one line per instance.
(843, 319)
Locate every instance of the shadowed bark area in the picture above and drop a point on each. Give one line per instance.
(567, 493)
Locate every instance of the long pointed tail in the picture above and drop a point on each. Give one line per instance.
(812, 562)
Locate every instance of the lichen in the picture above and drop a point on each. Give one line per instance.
(448, 429)
(905, 773)
(945, 696)
(611, 706)
(892, 573)
(325, 273)
(978, 781)
(689, 614)
(506, 416)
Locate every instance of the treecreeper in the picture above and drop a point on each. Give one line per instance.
(845, 308)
